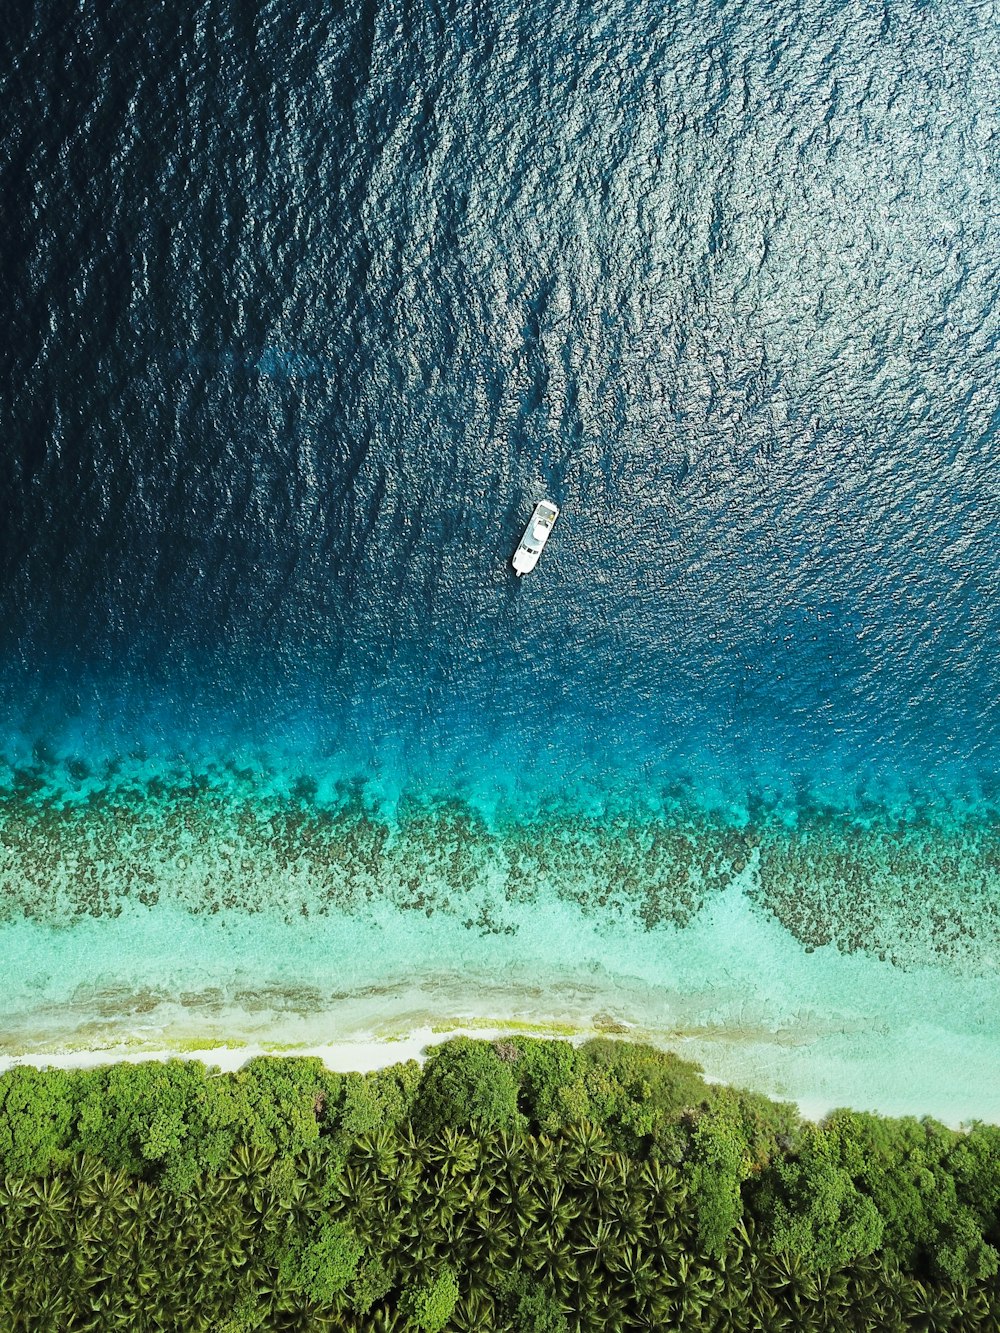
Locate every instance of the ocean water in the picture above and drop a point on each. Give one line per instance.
(306, 307)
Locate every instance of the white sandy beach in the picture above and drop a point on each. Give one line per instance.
(359, 1055)
(733, 992)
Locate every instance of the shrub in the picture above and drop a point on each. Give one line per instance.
(36, 1118)
(272, 1230)
(465, 1083)
(181, 1119)
(919, 1175)
(531, 1307)
(151, 1115)
(637, 1092)
(429, 1305)
(247, 1317)
(767, 1128)
(371, 1283)
(383, 1097)
(285, 1103)
(960, 1254)
(813, 1210)
(719, 1163)
(550, 1079)
(321, 1262)
(974, 1161)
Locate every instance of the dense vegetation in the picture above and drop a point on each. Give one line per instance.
(526, 1186)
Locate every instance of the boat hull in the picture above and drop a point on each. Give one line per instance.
(535, 535)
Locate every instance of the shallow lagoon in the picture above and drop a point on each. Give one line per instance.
(220, 905)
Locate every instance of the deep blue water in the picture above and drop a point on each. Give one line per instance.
(305, 306)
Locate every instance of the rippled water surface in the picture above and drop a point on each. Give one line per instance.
(305, 309)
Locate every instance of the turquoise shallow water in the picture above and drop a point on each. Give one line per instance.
(305, 312)
(820, 957)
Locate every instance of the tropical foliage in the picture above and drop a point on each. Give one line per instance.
(518, 1186)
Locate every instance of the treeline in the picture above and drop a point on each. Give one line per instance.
(520, 1186)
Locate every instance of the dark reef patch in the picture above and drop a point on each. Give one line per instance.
(909, 890)
(228, 840)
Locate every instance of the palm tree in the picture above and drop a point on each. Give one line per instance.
(634, 1266)
(583, 1295)
(49, 1209)
(52, 1309)
(400, 1181)
(764, 1309)
(453, 1153)
(540, 1158)
(380, 1147)
(444, 1213)
(386, 1319)
(15, 1195)
(316, 1167)
(143, 1205)
(503, 1153)
(653, 1316)
(384, 1226)
(50, 1194)
(106, 1304)
(495, 1261)
(582, 1142)
(248, 1164)
(558, 1268)
(598, 1244)
(975, 1307)
(660, 1186)
(690, 1286)
(83, 1168)
(729, 1311)
(557, 1212)
(831, 1288)
(628, 1217)
(598, 1181)
(473, 1314)
(605, 1309)
(516, 1202)
(354, 1190)
(664, 1243)
(932, 1310)
(788, 1279)
(104, 1193)
(868, 1301)
(989, 1322)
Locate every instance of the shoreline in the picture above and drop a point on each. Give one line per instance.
(366, 1053)
(732, 992)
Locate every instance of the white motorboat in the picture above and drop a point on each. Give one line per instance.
(536, 534)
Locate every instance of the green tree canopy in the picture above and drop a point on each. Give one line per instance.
(37, 1109)
(321, 1261)
(936, 1190)
(812, 1209)
(429, 1305)
(465, 1083)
